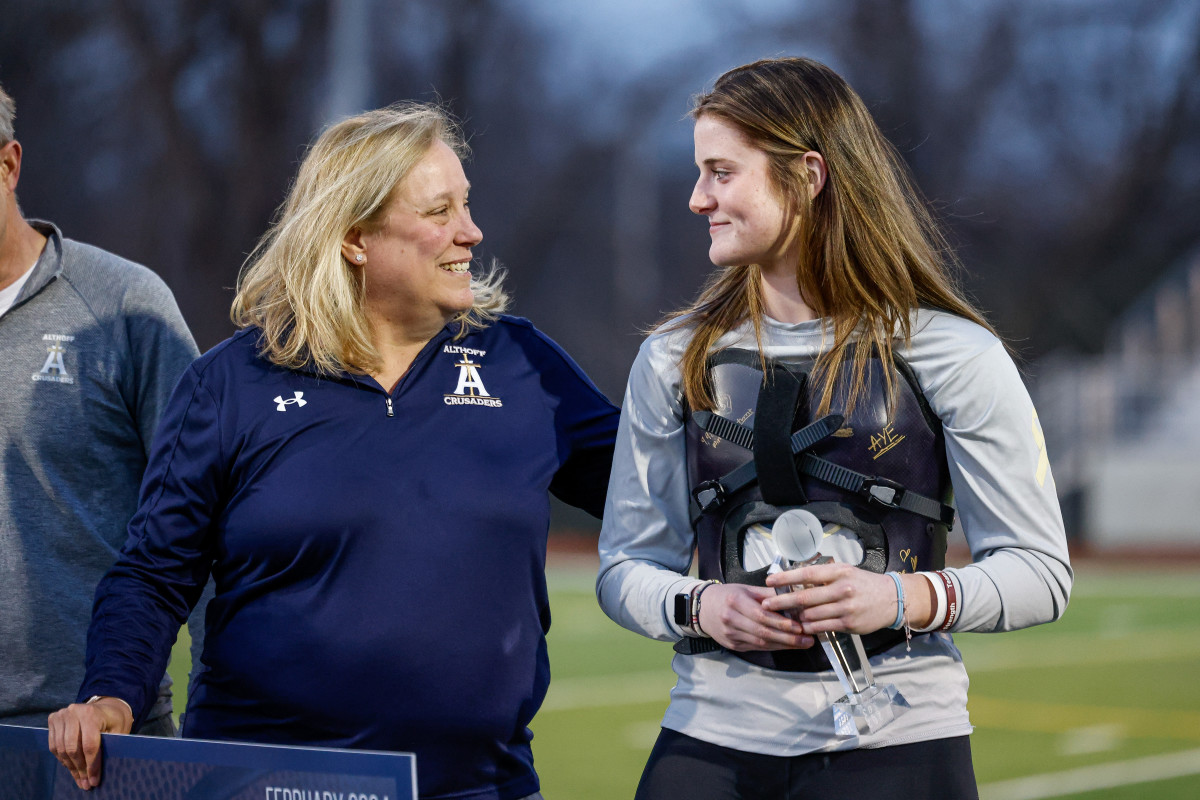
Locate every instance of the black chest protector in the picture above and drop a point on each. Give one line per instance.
(764, 451)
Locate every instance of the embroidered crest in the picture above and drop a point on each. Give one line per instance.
(470, 390)
(54, 369)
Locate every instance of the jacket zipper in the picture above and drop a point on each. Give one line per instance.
(431, 345)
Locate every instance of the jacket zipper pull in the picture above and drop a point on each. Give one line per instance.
(388, 400)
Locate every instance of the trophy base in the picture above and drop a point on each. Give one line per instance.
(868, 711)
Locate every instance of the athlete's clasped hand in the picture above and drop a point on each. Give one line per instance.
(75, 735)
(842, 597)
(735, 615)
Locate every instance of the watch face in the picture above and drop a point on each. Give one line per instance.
(683, 608)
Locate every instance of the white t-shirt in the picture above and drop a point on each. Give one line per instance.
(1006, 502)
(8, 295)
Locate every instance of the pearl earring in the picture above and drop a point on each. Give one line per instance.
(360, 258)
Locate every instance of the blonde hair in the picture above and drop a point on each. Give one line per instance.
(297, 288)
(870, 252)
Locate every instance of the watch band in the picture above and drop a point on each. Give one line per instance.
(683, 609)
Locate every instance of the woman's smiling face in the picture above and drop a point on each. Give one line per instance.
(746, 214)
(417, 258)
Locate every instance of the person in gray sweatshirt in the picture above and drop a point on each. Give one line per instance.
(91, 346)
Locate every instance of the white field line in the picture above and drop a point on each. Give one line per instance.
(631, 688)
(1072, 650)
(1090, 779)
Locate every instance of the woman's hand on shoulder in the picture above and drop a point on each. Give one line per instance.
(75, 735)
(836, 597)
(735, 615)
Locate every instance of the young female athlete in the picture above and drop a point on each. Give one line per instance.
(830, 367)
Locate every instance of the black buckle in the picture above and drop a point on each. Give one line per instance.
(882, 492)
(709, 495)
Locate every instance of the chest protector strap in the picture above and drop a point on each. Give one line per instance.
(778, 478)
(883, 478)
(872, 489)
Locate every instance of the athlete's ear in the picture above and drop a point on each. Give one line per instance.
(10, 165)
(354, 246)
(814, 164)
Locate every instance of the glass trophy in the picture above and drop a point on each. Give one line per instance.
(866, 706)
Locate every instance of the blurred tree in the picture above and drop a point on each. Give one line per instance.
(1059, 140)
(178, 122)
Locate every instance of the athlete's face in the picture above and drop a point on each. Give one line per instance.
(415, 261)
(746, 214)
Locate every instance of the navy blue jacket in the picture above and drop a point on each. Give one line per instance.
(378, 558)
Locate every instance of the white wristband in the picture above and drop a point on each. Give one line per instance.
(939, 614)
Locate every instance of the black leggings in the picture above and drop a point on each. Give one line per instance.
(683, 768)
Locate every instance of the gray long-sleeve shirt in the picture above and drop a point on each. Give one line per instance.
(89, 353)
(1004, 493)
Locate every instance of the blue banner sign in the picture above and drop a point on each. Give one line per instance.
(143, 767)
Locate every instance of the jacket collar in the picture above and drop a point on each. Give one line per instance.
(444, 335)
(49, 263)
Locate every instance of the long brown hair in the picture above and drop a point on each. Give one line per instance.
(870, 251)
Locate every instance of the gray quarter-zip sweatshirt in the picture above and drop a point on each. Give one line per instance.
(89, 353)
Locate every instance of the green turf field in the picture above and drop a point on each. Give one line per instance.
(1102, 704)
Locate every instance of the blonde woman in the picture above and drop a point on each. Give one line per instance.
(364, 468)
(830, 372)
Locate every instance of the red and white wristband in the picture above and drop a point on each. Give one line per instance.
(951, 601)
(946, 612)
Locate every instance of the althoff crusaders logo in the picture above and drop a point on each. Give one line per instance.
(54, 370)
(470, 390)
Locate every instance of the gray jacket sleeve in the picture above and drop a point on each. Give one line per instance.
(1020, 573)
(160, 346)
(646, 540)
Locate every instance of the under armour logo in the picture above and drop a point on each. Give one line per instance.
(281, 404)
